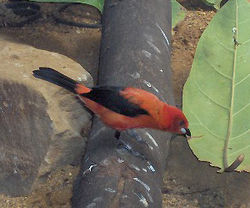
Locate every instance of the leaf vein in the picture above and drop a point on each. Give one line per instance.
(240, 135)
(209, 96)
(246, 41)
(208, 152)
(242, 80)
(223, 45)
(244, 21)
(219, 72)
(204, 126)
(239, 150)
(230, 120)
(243, 108)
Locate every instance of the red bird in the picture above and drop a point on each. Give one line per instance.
(122, 107)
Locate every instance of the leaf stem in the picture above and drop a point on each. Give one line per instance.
(230, 120)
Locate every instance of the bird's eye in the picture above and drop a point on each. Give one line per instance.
(183, 130)
(181, 123)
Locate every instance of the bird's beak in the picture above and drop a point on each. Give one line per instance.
(187, 134)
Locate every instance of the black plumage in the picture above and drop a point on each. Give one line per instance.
(55, 77)
(109, 97)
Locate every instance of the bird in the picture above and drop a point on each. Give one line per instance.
(122, 108)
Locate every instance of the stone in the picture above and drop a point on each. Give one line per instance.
(42, 126)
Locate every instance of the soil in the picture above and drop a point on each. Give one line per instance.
(187, 182)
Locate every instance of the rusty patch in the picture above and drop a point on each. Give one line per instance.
(120, 189)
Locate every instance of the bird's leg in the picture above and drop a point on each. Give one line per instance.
(117, 134)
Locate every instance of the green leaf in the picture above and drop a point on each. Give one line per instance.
(96, 3)
(214, 3)
(178, 13)
(216, 95)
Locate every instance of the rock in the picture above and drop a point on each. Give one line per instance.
(60, 197)
(42, 126)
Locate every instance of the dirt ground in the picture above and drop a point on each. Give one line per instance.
(187, 182)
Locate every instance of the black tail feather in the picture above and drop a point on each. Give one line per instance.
(55, 77)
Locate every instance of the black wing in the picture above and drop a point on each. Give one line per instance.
(109, 97)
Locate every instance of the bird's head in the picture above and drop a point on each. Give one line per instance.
(176, 121)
